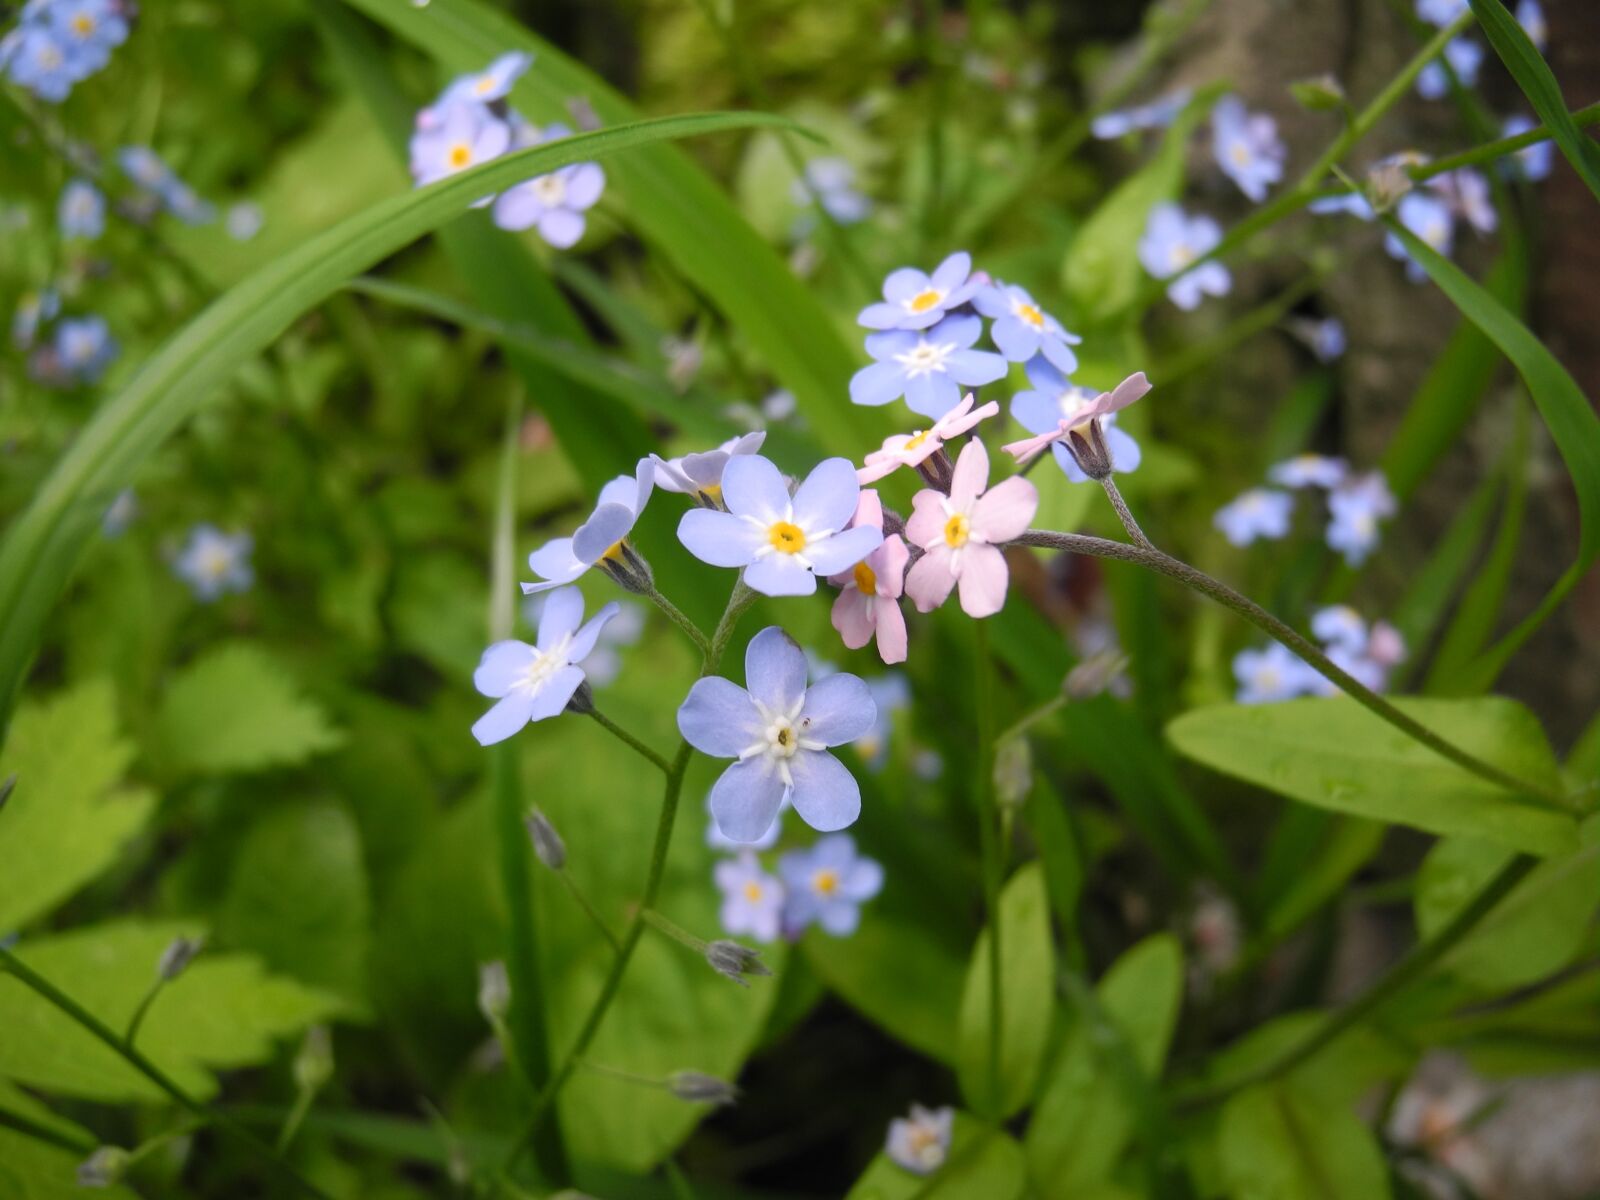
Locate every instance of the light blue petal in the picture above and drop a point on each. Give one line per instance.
(551, 698)
(753, 487)
(555, 564)
(877, 384)
(1017, 340)
(933, 395)
(504, 719)
(1059, 353)
(902, 284)
(718, 718)
(991, 302)
(953, 271)
(1037, 412)
(880, 316)
(780, 575)
(1046, 377)
(1125, 453)
(583, 641)
(887, 345)
(1068, 464)
(560, 617)
(839, 917)
(608, 526)
(501, 666)
(826, 795)
(775, 670)
(973, 367)
(863, 880)
(719, 538)
(843, 550)
(838, 709)
(827, 499)
(746, 798)
(963, 329)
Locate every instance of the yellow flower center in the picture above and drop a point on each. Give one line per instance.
(613, 551)
(460, 155)
(956, 531)
(825, 882)
(712, 491)
(1182, 254)
(866, 581)
(925, 299)
(83, 25)
(1240, 154)
(1031, 314)
(918, 436)
(752, 892)
(484, 85)
(786, 537)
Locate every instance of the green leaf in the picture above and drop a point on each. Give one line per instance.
(67, 820)
(225, 1011)
(1275, 1144)
(297, 896)
(1027, 995)
(235, 709)
(44, 544)
(1334, 754)
(984, 1163)
(1538, 83)
(33, 1170)
(1337, 1077)
(1083, 1121)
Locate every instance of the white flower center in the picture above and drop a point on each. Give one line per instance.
(783, 735)
(545, 664)
(551, 190)
(1182, 255)
(926, 358)
(214, 562)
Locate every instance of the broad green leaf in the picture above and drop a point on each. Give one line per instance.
(34, 1170)
(224, 1012)
(236, 709)
(297, 896)
(984, 1163)
(1538, 83)
(1083, 1121)
(67, 820)
(1274, 1144)
(1345, 1070)
(1334, 754)
(1532, 933)
(43, 545)
(1027, 1001)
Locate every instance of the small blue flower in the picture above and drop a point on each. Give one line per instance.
(84, 347)
(1022, 330)
(120, 514)
(82, 210)
(1172, 241)
(492, 83)
(929, 367)
(1258, 513)
(213, 563)
(1355, 510)
(700, 475)
(1340, 626)
(891, 693)
(563, 560)
(913, 300)
(604, 663)
(827, 885)
(533, 683)
(183, 202)
(783, 543)
(752, 900)
(1310, 470)
(244, 220)
(38, 61)
(89, 30)
(831, 183)
(1267, 676)
(1057, 399)
(465, 136)
(1156, 115)
(1430, 219)
(555, 203)
(780, 733)
(717, 840)
(1441, 12)
(1467, 193)
(1533, 162)
(1352, 203)
(144, 167)
(33, 310)
(1530, 15)
(1465, 57)
(1247, 147)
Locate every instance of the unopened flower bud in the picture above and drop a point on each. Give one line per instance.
(937, 470)
(176, 958)
(494, 991)
(313, 1066)
(1319, 94)
(1088, 447)
(1095, 674)
(628, 568)
(735, 960)
(547, 843)
(582, 700)
(1389, 181)
(1013, 771)
(104, 1168)
(698, 1088)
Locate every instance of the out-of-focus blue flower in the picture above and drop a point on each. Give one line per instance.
(1325, 338)
(1465, 57)
(779, 731)
(465, 136)
(37, 60)
(147, 170)
(1467, 193)
(563, 560)
(82, 210)
(89, 31)
(1258, 513)
(1430, 219)
(718, 840)
(1352, 203)
(1172, 241)
(555, 203)
(1158, 114)
(913, 300)
(1022, 330)
(752, 900)
(244, 220)
(1272, 674)
(1310, 470)
(1441, 12)
(1054, 400)
(1340, 626)
(184, 202)
(929, 367)
(84, 347)
(921, 1142)
(34, 309)
(891, 693)
(1355, 510)
(533, 683)
(1533, 162)
(784, 544)
(830, 182)
(827, 885)
(1530, 15)
(119, 514)
(1247, 147)
(213, 563)
(492, 83)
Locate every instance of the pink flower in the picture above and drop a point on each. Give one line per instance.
(958, 533)
(910, 449)
(870, 602)
(1103, 405)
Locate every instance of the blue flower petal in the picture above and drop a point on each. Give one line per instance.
(719, 538)
(826, 795)
(503, 720)
(753, 487)
(877, 384)
(780, 575)
(838, 709)
(827, 499)
(746, 798)
(501, 666)
(775, 670)
(718, 718)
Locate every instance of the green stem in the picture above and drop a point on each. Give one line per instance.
(1031, 718)
(679, 618)
(1124, 514)
(296, 1117)
(49, 1134)
(135, 1021)
(92, 1024)
(989, 845)
(1199, 581)
(590, 910)
(627, 739)
(675, 931)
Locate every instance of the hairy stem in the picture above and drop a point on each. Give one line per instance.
(633, 743)
(1123, 514)
(680, 619)
(590, 910)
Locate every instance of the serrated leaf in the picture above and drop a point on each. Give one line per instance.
(236, 709)
(66, 820)
(983, 1163)
(225, 1011)
(1334, 754)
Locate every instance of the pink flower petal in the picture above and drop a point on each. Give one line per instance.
(926, 526)
(888, 563)
(869, 511)
(1005, 510)
(853, 619)
(971, 475)
(891, 632)
(984, 577)
(930, 579)
(1124, 394)
(958, 420)
(1025, 449)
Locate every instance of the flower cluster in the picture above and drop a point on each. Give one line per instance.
(825, 886)
(1158, 114)
(1463, 54)
(160, 188)
(920, 1142)
(77, 354)
(1172, 242)
(1277, 673)
(1356, 503)
(60, 43)
(1247, 147)
(471, 123)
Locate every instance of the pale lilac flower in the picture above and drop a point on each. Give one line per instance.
(1056, 407)
(84, 347)
(554, 203)
(1217, 933)
(533, 683)
(718, 840)
(1310, 470)
(961, 535)
(1355, 510)
(1070, 418)
(1247, 147)
(829, 182)
(119, 514)
(1172, 241)
(1156, 115)
(601, 539)
(921, 1142)
(928, 367)
(1325, 338)
(780, 733)
(1022, 329)
(1441, 12)
(244, 220)
(914, 448)
(1351, 203)
(1533, 162)
(1258, 513)
(89, 30)
(1467, 193)
(1430, 219)
(1465, 57)
(1530, 15)
(868, 606)
(700, 474)
(1385, 646)
(783, 543)
(465, 136)
(914, 300)
(927, 764)
(604, 663)
(492, 83)
(778, 405)
(213, 563)
(752, 900)
(184, 202)
(827, 885)
(1273, 674)
(1340, 627)
(891, 693)
(82, 210)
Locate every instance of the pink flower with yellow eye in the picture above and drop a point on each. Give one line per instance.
(914, 448)
(961, 533)
(869, 604)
